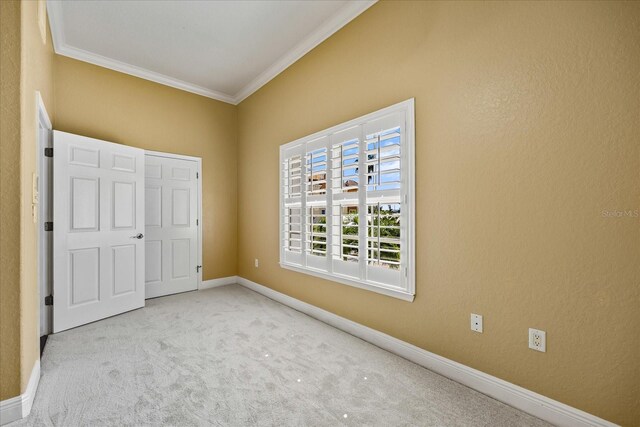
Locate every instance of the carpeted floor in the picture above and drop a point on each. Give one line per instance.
(229, 356)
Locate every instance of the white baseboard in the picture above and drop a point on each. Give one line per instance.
(214, 283)
(518, 397)
(20, 406)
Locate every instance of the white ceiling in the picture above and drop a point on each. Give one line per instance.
(224, 50)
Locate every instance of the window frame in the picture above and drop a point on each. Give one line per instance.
(311, 143)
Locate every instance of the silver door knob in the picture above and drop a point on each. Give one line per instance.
(138, 236)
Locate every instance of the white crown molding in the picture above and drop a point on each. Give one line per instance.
(20, 406)
(122, 67)
(54, 9)
(326, 30)
(329, 27)
(215, 283)
(518, 397)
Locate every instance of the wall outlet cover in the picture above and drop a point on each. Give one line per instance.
(537, 340)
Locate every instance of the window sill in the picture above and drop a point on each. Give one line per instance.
(396, 293)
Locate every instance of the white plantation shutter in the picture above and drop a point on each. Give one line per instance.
(383, 141)
(316, 172)
(293, 229)
(291, 169)
(316, 236)
(345, 153)
(347, 202)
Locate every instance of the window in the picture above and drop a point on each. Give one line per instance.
(346, 202)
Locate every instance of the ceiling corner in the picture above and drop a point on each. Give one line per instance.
(352, 10)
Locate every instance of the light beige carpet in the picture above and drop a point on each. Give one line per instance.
(231, 357)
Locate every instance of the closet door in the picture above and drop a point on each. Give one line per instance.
(171, 224)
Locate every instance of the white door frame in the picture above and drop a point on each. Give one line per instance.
(42, 180)
(198, 161)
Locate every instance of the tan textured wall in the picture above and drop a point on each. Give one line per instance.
(36, 75)
(101, 103)
(26, 68)
(527, 124)
(9, 199)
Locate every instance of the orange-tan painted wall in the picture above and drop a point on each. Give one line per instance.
(105, 104)
(10, 199)
(527, 126)
(29, 52)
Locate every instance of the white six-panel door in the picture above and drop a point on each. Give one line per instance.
(98, 224)
(171, 215)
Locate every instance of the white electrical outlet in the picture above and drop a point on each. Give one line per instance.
(537, 340)
(476, 322)
(256, 263)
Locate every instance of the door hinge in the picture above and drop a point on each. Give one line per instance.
(197, 222)
(198, 267)
(48, 226)
(197, 175)
(48, 152)
(48, 300)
